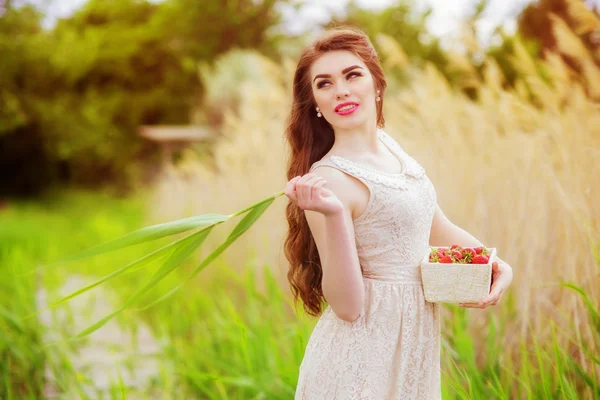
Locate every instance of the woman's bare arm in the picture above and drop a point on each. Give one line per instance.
(445, 233)
(342, 283)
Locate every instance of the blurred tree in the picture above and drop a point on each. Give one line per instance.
(71, 98)
(401, 23)
(535, 22)
(22, 156)
(203, 29)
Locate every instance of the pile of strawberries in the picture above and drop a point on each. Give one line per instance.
(459, 255)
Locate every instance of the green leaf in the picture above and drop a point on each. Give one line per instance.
(240, 228)
(11, 320)
(149, 233)
(183, 250)
(155, 255)
(589, 380)
(592, 309)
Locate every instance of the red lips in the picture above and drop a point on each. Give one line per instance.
(348, 103)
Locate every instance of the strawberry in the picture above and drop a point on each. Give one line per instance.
(469, 250)
(468, 254)
(446, 260)
(478, 250)
(457, 254)
(480, 259)
(455, 246)
(443, 249)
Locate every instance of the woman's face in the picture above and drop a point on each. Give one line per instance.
(343, 89)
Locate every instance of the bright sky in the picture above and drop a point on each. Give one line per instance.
(443, 22)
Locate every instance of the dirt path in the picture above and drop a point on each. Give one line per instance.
(105, 356)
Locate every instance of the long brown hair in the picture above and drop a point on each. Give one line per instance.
(310, 138)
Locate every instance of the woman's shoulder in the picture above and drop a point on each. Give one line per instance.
(332, 170)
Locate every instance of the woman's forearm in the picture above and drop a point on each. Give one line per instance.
(342, 284)
(456, 235)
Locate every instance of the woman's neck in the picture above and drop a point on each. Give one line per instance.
(358, 140)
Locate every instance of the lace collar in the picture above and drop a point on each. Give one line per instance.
(395, 180)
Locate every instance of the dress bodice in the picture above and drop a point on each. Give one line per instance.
(392, 234)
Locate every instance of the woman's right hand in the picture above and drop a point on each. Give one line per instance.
(309, 193)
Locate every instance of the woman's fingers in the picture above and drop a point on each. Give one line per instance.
(490, 302)
(471, 305)
(304, 189)
(307, 187)
(301, 190)
(317, 188)
(290, 189)
(308, 193)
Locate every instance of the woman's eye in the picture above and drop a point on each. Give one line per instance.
(322, 83)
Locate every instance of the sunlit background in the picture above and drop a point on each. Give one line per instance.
(117, 115)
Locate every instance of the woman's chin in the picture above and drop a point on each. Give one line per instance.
(346, 123)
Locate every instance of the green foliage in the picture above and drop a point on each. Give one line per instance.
(225, 337)
(203, 29)
(400, 22)
(73, 97)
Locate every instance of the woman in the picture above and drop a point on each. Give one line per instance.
(361, 217)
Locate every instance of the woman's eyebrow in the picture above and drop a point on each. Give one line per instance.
(343, 72)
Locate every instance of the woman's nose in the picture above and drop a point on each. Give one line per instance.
(342, 93)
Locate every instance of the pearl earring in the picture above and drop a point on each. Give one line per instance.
(319, 112)
(378, 97)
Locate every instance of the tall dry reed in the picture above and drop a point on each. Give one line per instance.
(518, 174)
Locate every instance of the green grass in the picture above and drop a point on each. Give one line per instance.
(223, 337)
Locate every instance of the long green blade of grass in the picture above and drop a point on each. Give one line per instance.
(183, 250)
(155, 255)
(147, 234)
(240, 228)
(11, 320)
(594, 314)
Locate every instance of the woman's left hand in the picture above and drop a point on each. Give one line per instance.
(501, 278)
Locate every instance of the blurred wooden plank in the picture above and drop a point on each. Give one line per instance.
(175, 133)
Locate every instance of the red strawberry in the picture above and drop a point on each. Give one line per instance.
(442, 249)
(478, 250)
(457, 254)
(455, 246)
(480, 259)
(446, 260)
(468, 254)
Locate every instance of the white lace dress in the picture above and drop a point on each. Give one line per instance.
(392, 351)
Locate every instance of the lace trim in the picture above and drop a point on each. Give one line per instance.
(393, 180)
(413, 168)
